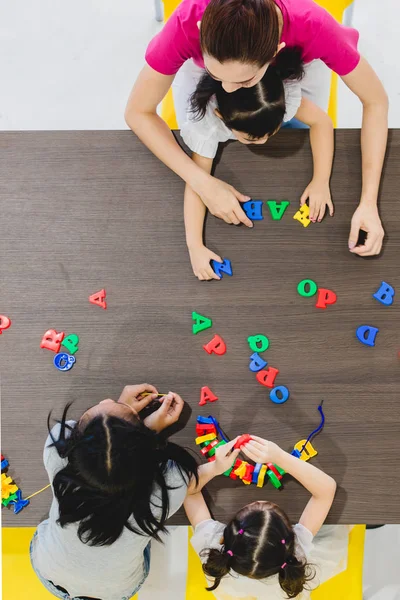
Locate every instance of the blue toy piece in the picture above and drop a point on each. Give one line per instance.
(385, 294)
(63, 361)
(295, 453)
(366, 334)
(256, 362)
(253, 209)
(256, 472)
(19, 503)
(205, 420)
(283, 394)
(4, 464)
(220, 268)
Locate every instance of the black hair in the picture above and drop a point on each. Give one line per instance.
(114, 466)
(258, 110)
(266, 544)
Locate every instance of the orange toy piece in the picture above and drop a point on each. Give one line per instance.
(7, 487)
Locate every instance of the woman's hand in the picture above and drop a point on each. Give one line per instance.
(223, 201)
(366, 217)
(200, 257)
(319, 196)
(169, 412)
(224, 457)
(261, 451)
(138, 396)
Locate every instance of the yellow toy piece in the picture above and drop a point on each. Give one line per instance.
(302, 215)
(308, 452)
(241, 470)
(261, 476)
(205, 438)
(7, 487)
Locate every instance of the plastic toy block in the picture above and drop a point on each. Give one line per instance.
(228, 472)
(216, 346)
(19, 503)
(206, 395)
(201, 323)
(211, 458)
(273, 479)
(5, 323)
(261, 476)
(279, 394)
(71, 343)
(4, 464)
(258, 343)
(241, 470)
(280, 471)
(9, 499)
(267, 376)
(295, 453)
(99, 298)
(312, 288)
(277, 209)
(256, 362)
(205, 438)
(52, 340)
(308, 452)
(204, 429)
(237, 464)
(7, 486)
(248, 476)
(366, 334)
(242, 440)
(63, 361)
(253, 209)
(384, 295)
(256, 472)
(209, 447)
(212, 451)
(271, 467)
(205, 420)
(221, 268)
(325, 297)
(302, 215)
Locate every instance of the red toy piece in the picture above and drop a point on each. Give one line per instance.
(248, 476)
(272, 468)
(52, 340)
(207, 449)
(206, 395)
(5, 323)
(237, 464)
(216, 345)
(99, 298)
(242, 440)
(267, 376)
(203, 429)
(325, 297)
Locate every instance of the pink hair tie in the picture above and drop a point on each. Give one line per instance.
(240, 532)
(229, 552)
(283, 541)
(283, 566)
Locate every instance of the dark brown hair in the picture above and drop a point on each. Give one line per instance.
(242, 30)
(260, 542)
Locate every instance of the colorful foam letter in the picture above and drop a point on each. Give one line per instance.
(19, 503)
(267, 376)
(325, 297)
(5, 323)
(71, 343)
(366, 334)
(63, 361)
(220, 268)
(201, 322)
(253, 209)
(256, 362)
(308, 452)
(302, 215)
(206, 395)
(385, 294)
(301, 288)
(216, 345)
(99, 298)
(52, 340)
(258, 343)
(279, 394)
(277, 210)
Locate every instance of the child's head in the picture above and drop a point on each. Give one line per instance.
(114, 464)
(252, 113)
(257, 543)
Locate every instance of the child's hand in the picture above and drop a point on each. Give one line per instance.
(319, 196)
(200, 257)
(138, 396)
(169, 412)
(260, 450)
(224, 457)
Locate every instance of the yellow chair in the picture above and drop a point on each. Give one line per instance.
(335, 7)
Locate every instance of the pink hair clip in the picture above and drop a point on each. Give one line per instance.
(240, 532)
(229, 552)
(283, 566)
(283, 541)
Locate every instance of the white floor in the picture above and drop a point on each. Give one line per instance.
(71, 65)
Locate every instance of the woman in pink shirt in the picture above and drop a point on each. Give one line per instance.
(235, 40)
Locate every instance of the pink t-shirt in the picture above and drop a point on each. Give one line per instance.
(305, 25)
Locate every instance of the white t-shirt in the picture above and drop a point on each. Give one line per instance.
(327, 552)
(111, 572)
(204, 136)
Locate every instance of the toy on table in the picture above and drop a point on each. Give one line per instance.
(385, 294)
(201, 322)
(308, 288)
(253, 209)
(366, 334)
(302, 215)
(277, 209)
(206, 395)
(10, 492)
(5, 323)
(99, 298)
(221, 268)
(215, 346)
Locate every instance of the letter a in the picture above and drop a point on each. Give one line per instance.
(201, 323)
(277, 210)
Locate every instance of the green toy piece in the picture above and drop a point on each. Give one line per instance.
(9, 499)
(201, 323)
(254, 340)
(277, 209)
(274, 480)
(71, 343)
(301, 288)
(280, 471)
(212, 451)
(228, 472)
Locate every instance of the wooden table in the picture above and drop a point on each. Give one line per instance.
(87, 210)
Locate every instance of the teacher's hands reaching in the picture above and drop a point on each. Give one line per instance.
(223, 201)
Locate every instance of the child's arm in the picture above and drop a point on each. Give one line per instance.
(196, 509)
(194, 212)
(320, 485)
(225, 457)
(322, 145)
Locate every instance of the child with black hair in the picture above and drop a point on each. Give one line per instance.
(252, 115)
(115, 482)
(263, 554)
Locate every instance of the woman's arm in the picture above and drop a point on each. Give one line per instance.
(364, 82)
(196, 509)
(141, 116)
(322, 144)
(194, 212)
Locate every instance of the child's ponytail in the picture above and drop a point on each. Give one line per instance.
(217, 565)
(293, 576)
(205, 90)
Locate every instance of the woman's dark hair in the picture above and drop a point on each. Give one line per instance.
(243, 30)
(258, 110)
(114, 467)
(258, 551)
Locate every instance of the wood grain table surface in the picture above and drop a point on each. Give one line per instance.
(87, 210)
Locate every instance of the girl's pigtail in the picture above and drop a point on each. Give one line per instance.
(205, 90)
(217, 566)
(294, 575)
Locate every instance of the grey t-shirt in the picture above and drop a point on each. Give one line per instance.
(107, 572)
